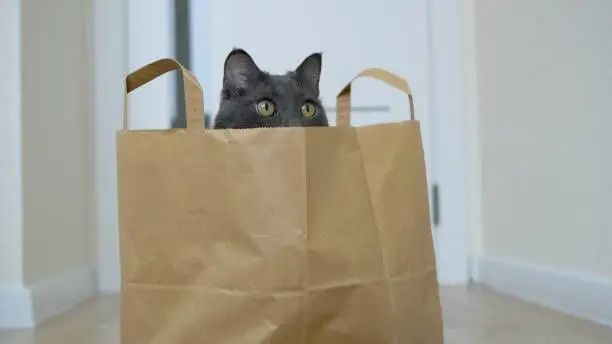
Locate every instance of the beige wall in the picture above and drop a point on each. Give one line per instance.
(544, 74)
(56, 119)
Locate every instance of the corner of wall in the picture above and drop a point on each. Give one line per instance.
(14, 297)
(472, 127)
(26, 307)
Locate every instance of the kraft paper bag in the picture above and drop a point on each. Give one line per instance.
(275, 235)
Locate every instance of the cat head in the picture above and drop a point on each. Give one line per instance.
(253, 98)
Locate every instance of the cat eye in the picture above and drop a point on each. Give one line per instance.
(309, 109)
(265, 107)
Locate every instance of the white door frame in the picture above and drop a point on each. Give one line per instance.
(111, 22)
(445, 18)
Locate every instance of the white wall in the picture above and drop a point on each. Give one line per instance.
(473, 146)
(48, 265)
(543, 80)
(200, 31)
(150, 37)
(127, 36)
(56, 124)
(110, 68)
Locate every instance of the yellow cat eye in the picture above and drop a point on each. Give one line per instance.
(266, 108)
(309, 109)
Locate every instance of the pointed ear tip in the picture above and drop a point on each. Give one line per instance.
(237, 54)
(314, 57)
(237, 51)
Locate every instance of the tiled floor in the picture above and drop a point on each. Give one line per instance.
(473, 315)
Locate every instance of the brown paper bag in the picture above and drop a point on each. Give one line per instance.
(276, 235)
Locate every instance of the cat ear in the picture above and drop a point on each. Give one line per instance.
(239, 69)
(310, 70)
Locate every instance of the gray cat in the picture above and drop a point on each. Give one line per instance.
(252, 98)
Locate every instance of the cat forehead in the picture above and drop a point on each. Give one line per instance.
(282, 80)
(284, 83)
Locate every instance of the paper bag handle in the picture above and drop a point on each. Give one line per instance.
(194, 98)
(343, 100)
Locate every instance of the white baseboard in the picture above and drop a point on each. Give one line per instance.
(15, 307)
(587, 297)
(27, 307)
(59, 294)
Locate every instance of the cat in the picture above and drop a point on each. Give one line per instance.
(253, 98)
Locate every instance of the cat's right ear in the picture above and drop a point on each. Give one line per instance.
(239, 69)
(310, 70)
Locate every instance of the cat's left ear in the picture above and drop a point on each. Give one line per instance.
(240, 70)
(309, 70)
